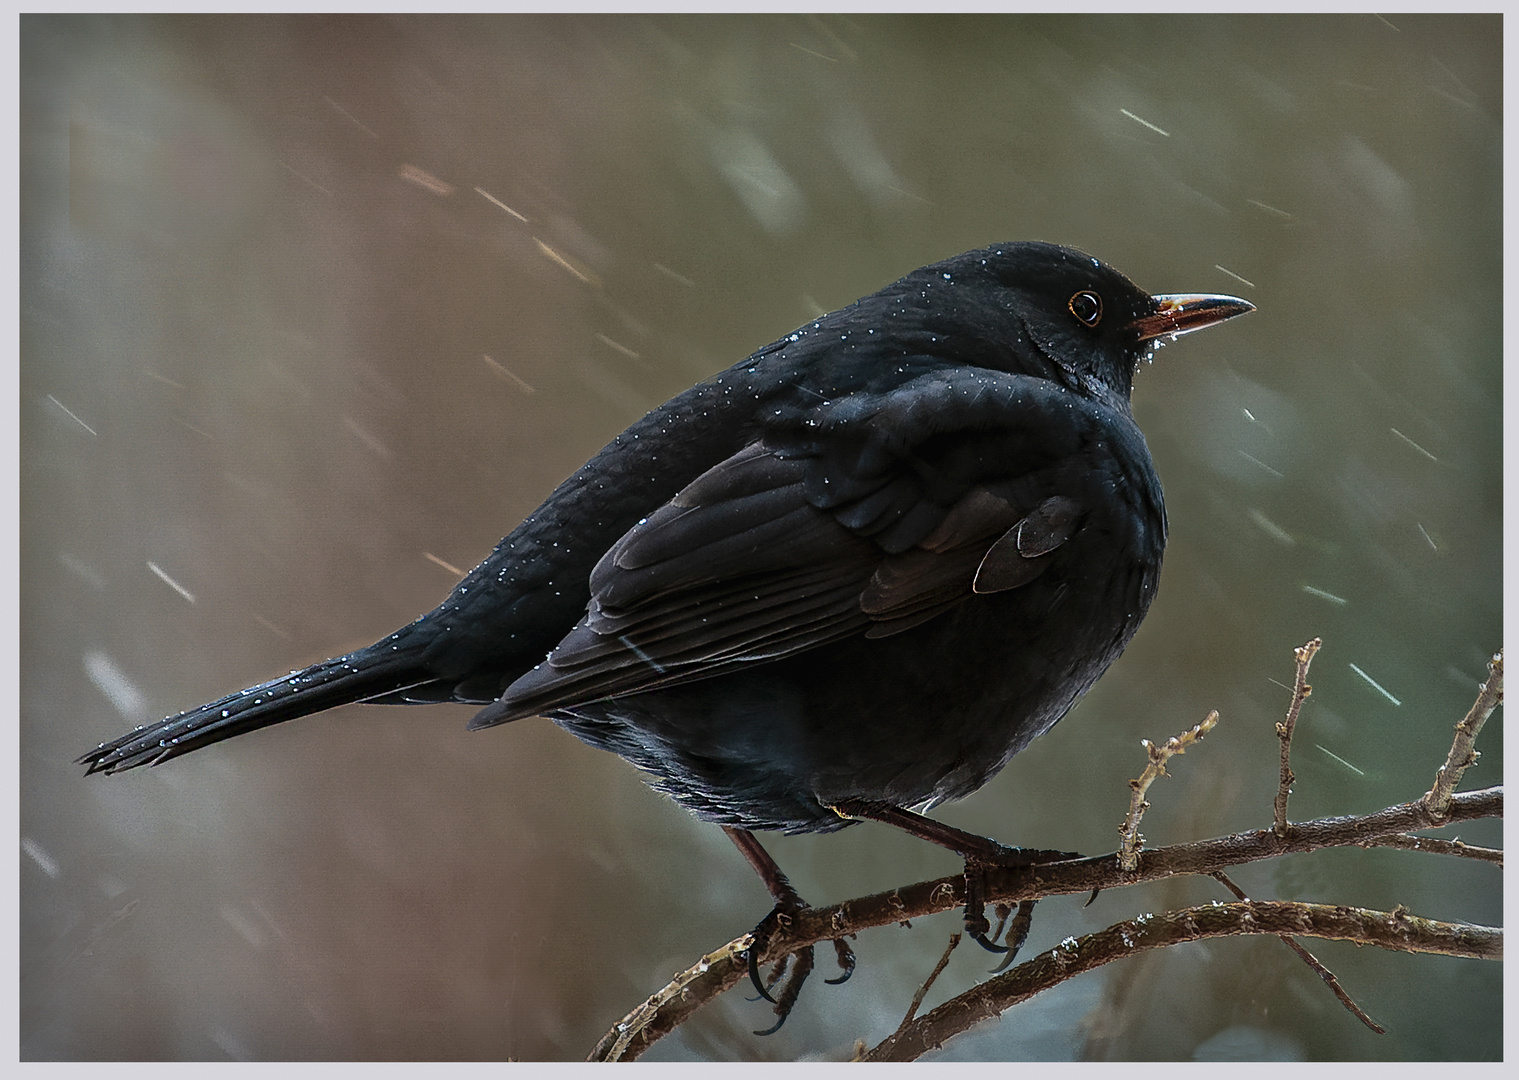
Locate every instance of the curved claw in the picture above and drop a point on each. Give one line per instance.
(1017, 933)
(979, 937)
(773, 1028)
(976, 927)
(846, 960)
(762, 932)
(754, 977)
(791, 989)
(1017, 930)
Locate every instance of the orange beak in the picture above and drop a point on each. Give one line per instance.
(1181, 313)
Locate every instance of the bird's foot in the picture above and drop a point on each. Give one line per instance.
(980, 854)
(788, 905)
(976, 924)
(998, 856)
(793, 967)
(1011, 927)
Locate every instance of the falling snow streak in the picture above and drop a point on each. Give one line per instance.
(1146, 123)
(1376, 685)
(1321, 594)
(70, 413)
(167, 580)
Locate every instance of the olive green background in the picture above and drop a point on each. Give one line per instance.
(276, 344)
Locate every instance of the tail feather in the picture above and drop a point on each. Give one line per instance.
(360, 676)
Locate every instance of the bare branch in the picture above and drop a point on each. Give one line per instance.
(668, 1007)
(1436, 846)
(1390, 930)
(1300, 691)
(720, 970)
(1128, 848)
(1462, 755)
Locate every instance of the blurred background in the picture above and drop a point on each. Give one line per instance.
(314, 310)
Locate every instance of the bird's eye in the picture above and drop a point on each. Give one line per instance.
(1087, 307)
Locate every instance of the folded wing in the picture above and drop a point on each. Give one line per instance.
(871, 518)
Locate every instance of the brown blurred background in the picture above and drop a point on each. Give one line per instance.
(287, 359)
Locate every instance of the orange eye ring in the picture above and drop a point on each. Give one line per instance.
(1087, 307)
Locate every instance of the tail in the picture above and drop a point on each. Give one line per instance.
(361, 676)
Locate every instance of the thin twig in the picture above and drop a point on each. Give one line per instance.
(1300, 691)
(1128, 849)
(1462, 755)
(917, 999)
(1313, 963)
(1395, 929)
(1436, 846)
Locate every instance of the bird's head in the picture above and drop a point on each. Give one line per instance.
(1065, 315)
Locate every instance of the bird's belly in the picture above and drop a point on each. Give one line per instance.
(926, 715)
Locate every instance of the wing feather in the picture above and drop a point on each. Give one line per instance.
(836, 526)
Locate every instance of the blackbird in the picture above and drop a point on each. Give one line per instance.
(849, 577)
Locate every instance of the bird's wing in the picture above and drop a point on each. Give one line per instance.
(869, 516)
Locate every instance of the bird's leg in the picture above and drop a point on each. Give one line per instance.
(787, 903)
(979, 853)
